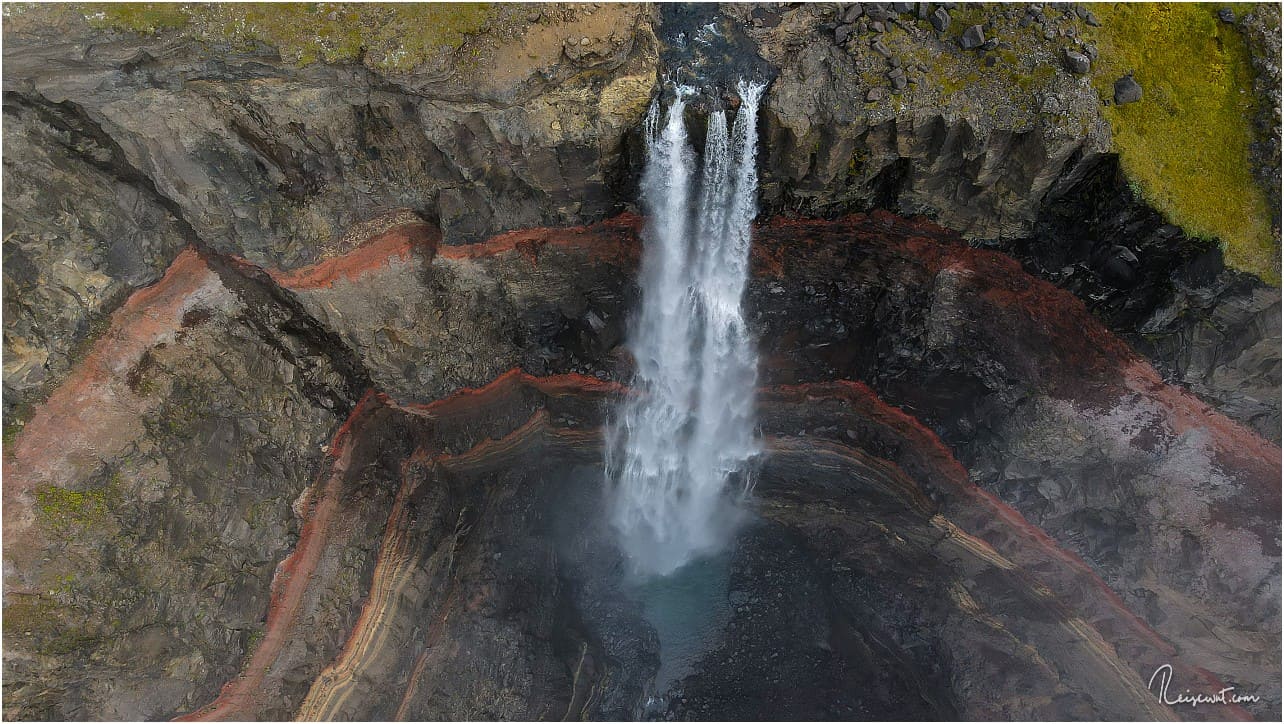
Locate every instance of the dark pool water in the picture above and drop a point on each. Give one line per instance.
(688, 609)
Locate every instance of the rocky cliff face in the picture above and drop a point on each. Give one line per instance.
(274, 163)
(306, 371)
(443, 545)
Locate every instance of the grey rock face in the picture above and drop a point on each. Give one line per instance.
(940, 19)
(972, 38)
(1127, 90)
(190, 431)
(78, 239)
(1077, 63)
(1261, 28)
(273, 163)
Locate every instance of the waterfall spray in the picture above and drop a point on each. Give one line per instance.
(689, 433)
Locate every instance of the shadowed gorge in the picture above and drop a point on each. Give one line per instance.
(517, 380)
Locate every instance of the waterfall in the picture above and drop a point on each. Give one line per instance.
(681, 442)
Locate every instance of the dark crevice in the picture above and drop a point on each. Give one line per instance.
(273, 312)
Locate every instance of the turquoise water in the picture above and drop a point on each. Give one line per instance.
(688, 609)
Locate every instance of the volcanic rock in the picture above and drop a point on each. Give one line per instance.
(973, 37)
(1127, 90)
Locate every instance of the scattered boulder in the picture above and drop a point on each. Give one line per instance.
(877, 26)
(940, 19)
(902, 8)
(1077, 63)
(881, 48)
(853, 11)
(842, 33)
(879, 13)
(875, 94)
(1226, 15)
(1127, 90)
(972, 38)
(897, 76)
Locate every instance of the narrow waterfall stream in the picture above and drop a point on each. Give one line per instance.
(681, 447)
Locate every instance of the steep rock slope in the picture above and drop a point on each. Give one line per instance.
(177, 141)
(436, 544)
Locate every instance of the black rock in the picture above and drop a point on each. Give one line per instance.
(1127, 90)
(902, 8)
(875, 94)
(1077, 63)
(1226, 15)
(841, 33)
(853, 11)
(940, 19)
(1092, 20)
(991, 61)
(877, 26)
(973, 37)
(923, 10)
(879, 12)
(990, 44)
(1120, 267)
(1025, 21)
(881, 48)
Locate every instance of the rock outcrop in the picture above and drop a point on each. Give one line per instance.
(254, 157)
(450, 543)
(306, 372)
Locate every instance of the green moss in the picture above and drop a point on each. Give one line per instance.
(1186, 143)
(393, 37)
(40, 620)
(138, 17)
(65, 510)
(12, 427)
(252, 643)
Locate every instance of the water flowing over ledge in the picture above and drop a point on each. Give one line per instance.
(679, 445)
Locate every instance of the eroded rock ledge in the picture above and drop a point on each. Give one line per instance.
(163, 142)
(198, 523)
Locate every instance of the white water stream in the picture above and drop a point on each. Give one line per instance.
(683, 442)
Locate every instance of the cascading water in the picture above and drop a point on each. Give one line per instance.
(689, 433)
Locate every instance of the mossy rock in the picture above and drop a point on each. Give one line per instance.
(1186, 143)
(63, 510)
(387, 36)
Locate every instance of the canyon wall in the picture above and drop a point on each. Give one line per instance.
(305, 369)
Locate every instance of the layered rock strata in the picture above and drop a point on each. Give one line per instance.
(961, 460)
